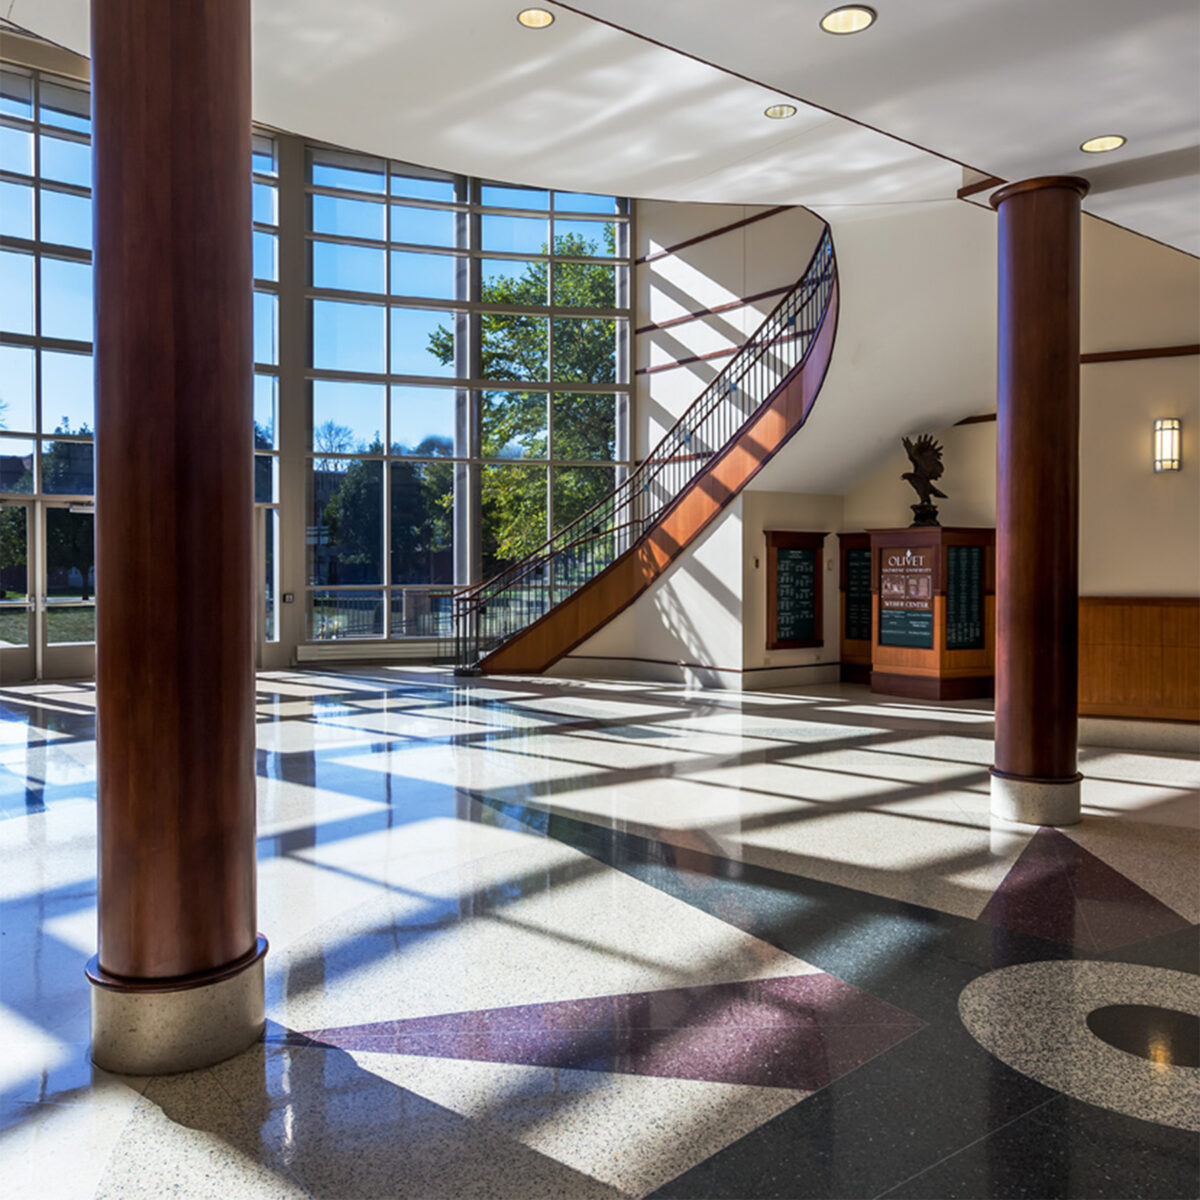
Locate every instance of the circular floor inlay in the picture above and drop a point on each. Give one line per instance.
(1163, 1035)
(1036, 1018)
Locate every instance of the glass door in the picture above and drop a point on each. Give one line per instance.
(66, 609)
(17, 655)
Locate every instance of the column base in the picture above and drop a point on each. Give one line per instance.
(1035, 801)
(158, 1027)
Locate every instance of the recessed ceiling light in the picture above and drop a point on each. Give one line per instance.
(850, 18)
(778, 112)
(535, 18)
(1098, 145)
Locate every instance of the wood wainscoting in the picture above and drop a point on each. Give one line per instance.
(1139, 656)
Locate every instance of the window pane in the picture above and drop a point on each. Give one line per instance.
(514, 235)
(16, 150)
(423, 226)
(70, 556)
(578, 489)
(16, 94)
(66, 299)
(585, 350)
(14, 569)
(14, 619)
(432, 275)
(584, 202)
(514, 347)
(585, 239)
(423, 342)
(422, 522)
(72, 624)
(67, 468)
(348, 218)
(348, 337)
(514, 197)
(346, 615)
(67, 107)
(266, 391)
(585, 426)
(347, 418)
(266, 204)
(413, 187)
(511, 281)
(337, 169)
(16, 388)
(419, 612)
(16, 465)
(16, 210)
(68, 393)
(66, 219)
(348, 268)
(585, 285)
(264, 478)
(16, 292)
(263, 155)
(266, 328)
(513, 424)
(66, 162)
(423, 421)
(265, 255)
(346, 534)
(514, 514)
(270, 574)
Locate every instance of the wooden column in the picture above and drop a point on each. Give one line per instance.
(179, 957)
(1037, 502)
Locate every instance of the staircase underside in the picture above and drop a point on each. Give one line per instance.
(539, 645)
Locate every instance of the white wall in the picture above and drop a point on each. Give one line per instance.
(882, 499)
(1139, 532)
(690, 617)
(722, 270)
(762, 511)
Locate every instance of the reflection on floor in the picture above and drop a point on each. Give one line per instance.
(541, 938)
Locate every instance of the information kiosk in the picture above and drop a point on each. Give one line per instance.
(933, 612)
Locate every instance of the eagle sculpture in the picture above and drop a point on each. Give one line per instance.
(926, 457)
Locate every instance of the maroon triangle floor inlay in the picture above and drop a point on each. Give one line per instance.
(800, 1031)
(1060, 891)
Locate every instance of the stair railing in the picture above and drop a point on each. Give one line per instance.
(495, 610)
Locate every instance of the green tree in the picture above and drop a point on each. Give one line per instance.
(71, 544)
(67, 469)
(513, 421)
(353, 516)
(13, 551)
(422, 498)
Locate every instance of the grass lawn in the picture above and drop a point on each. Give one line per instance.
(14, 627)
(62, 625)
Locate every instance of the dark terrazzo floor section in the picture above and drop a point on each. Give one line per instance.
(935, 1116)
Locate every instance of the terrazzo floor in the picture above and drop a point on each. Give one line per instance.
(550, 938)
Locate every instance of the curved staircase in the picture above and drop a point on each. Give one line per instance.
(528, 616)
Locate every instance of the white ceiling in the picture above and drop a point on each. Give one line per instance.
(1009, 87)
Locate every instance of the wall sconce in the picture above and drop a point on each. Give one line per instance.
(1166, 444)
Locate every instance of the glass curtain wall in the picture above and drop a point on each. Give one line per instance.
(47, 410)
(265, 204)
(468, 371)
(464, 389)
(47, 403)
